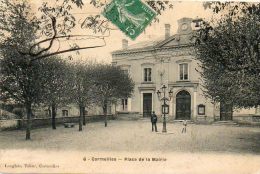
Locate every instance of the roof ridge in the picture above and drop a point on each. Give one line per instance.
(157, 43)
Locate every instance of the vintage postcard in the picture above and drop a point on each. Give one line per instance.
(129, 87)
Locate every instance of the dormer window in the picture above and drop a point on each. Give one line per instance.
(147, 74)
(184, 75)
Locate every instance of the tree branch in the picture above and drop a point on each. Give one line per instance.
(67, 36)
(53, 21)
(30, 53)
(65, 51)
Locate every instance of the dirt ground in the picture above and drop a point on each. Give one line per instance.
(203, 149)
(137, 136)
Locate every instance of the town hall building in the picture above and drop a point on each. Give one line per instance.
(168, 62)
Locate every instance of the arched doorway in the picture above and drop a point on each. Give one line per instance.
(183, 105)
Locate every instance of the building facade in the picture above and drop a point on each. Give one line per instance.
(169, 61)
(71, 110)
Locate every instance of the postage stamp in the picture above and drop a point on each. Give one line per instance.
(130, 16)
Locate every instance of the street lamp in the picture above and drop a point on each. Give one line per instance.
(165, 106)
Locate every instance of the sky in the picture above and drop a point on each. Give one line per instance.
(180, 9)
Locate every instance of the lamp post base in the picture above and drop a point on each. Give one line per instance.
(164, 127)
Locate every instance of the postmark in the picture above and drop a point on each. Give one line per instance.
(130, 16)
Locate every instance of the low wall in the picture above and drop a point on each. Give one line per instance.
(43, 122)
(8, 124)
(247, 119)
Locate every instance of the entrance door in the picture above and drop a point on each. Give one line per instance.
(147, 104)
(183, 105)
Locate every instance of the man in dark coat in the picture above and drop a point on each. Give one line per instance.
(154, 121)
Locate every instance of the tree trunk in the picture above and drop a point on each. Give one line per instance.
(221, 114)
(105, 113)
(84, 116)
(80, 118)
(231, 112)
(19, 123)
(53, 115)
(226, 111)
(20, 116)
(29, 121)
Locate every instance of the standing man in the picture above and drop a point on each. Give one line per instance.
(154, 121)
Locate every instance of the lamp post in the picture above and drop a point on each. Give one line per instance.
(165, 106)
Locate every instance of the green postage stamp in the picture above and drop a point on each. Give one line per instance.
(130, 16)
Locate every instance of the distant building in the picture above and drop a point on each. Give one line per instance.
(168, 61)
(71, 110)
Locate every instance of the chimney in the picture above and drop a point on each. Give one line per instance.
(124, 44)
(167, 31)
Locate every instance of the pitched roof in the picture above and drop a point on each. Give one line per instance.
(145, 44)
(184, 37)
(176, 40)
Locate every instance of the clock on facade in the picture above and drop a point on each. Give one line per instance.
(184, 26)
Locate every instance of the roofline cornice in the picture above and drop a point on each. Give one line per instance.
(142, 50)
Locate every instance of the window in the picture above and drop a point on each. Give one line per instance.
(65, 113)
(85, 112)
(147, 74)
(125, 69)
(48, 112)
(183, 71)
(33, 113)
(124, 104)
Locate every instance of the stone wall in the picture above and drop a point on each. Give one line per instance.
(247, 119)
(45, 122)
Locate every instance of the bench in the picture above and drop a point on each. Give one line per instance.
(69, 125)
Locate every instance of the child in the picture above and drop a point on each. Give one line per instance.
(184, 126)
